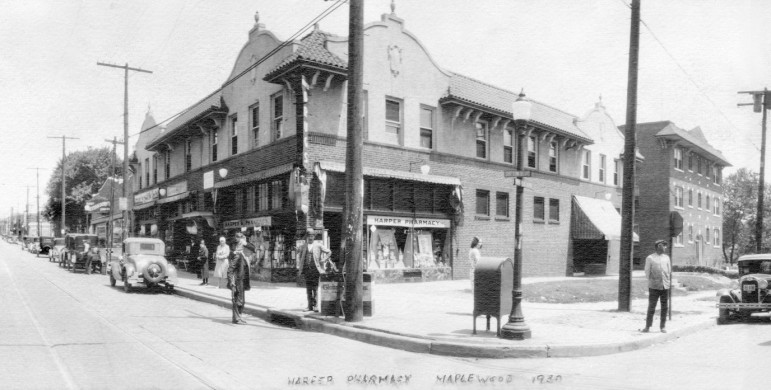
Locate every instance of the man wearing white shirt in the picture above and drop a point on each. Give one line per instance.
(658, 271)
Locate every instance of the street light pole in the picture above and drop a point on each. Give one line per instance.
(760, 103)
(516, 328)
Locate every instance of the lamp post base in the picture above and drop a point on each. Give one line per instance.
(515, 331)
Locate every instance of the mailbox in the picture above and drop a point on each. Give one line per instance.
(493, 284)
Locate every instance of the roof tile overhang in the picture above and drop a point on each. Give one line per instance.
(310, 57)
(473, 95)
(206, 114)
(688, 141)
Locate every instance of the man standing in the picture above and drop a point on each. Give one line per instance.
(309, 265)
(658, 271)
(238, 277)
(203, 258)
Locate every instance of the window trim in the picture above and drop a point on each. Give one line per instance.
(586, 165)
(276, 122)
(484, 193)
(432, 111)
(188, 155)
(233, 134)
(554, 146)
(498, 196)
(510, 147)
(542, 210)
(679, 199)
(485, 139)
(552, 220)
(255, 124)
(532, 140)
(214, 145)
(602, 168)
(678, 160)
(398, 125)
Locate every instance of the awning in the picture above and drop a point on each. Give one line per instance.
(206, 215)
(389, 173)
(256, 176)
(594, 219)
(173, 197)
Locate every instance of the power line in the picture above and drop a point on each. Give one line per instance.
(287, 42)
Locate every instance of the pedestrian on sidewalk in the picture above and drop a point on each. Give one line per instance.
(658, 272)
(238, 278)
(203, 258)
(474, 255)
(309, 265)
(221, 266)
(86, 257)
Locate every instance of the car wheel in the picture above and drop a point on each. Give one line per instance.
(112, 280)
(723, 315)
(154, 272)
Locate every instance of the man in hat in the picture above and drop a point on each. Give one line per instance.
(309, 259)
(238, 275)
(658, 271)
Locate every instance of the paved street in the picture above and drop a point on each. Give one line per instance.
(64, 330)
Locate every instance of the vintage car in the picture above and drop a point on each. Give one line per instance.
(753, 294)
(75, 254)
(45, 246)
(143, 262)
(57, 250)
(33, 244)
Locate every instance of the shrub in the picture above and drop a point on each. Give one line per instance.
(705, 269)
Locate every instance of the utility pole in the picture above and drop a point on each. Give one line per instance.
(760, 104)
(112, 197)
(126, 69)
(26, 214)
(627, 199)
(37, 189)
(354, 180)
(64, 194)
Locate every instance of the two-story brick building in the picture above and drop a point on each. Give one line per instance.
(264, 154)
(683, 173)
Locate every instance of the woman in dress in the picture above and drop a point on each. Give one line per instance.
(221, 268)
(473, 257)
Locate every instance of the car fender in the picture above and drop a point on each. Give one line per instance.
(171, 274)
(725, 296)
(131, 273)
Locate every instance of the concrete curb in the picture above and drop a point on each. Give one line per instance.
(422, 344)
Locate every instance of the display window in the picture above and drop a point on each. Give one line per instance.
(273, 244)
(398, 242)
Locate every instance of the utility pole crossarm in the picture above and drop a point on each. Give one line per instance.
(125, 67)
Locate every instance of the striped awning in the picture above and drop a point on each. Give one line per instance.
(392, 174)
(594, 219)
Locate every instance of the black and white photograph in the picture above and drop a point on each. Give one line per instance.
(384, 194)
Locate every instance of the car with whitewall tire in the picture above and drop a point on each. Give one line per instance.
(143, 263)
(754, 293)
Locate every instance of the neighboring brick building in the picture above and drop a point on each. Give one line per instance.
(264, 154)
(682, 172)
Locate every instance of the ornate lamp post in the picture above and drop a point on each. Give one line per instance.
(516, 328)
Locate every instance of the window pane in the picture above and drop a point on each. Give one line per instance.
(426, 118)
(392, 111)
(554, 209)
(507, 137)
(481, 149)
(278, 106)
(502, 204)
(483, 202)
(425, 138)
(538, 208)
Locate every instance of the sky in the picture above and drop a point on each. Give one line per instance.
(695, 55)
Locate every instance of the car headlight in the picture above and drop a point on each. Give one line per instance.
(762, 284)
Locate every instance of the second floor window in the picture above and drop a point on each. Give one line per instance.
(262, 197)
(188, 155)
(679, 159)
(250, 203)
(214, 142)
(715, 174)
(707, 203)
(426, 127)
(234, 136)
(538, 208)
(553, 157)
(532, 152)
(698, 165)
(277, 194)
(586, 165)
(483, 202)
(698, 200)
(502, 204)
(155, 168)
(690, 197)
(717, 206)
(167, 165)
(615, 172)
(278, 116)
(147, 171)
(508, 146)
(256, 125)
(690, 162)
(393, 116)
(679, 197)
(481, 140)
(602, 168)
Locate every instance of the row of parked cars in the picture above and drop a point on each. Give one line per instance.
(142, 260)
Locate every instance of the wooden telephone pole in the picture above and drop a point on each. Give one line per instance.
(760, 104)
(64, 192)
(126, 69)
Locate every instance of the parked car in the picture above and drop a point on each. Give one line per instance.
(56, 253)
(753, 294)
(45, 246)
(75, 254)
(33, 244)
(143, 262)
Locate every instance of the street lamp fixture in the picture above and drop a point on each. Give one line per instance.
(162, 192)
(223, 172)
(516, 329)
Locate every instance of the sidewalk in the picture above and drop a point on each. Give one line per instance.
(435, 317)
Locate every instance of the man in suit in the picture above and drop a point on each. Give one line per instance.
(238, 275)
(309, 265)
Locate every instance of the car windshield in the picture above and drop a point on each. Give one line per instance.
(755, 267)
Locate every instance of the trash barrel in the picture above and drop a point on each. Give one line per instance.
(493, 285)
(329, 284)
(368, 304)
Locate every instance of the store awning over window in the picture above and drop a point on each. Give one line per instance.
(389, 173)
(594, 219)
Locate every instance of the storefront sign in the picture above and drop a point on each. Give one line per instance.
(248, 222)
(208, 180)
(408, 222)
(176, 188)
(147, 196)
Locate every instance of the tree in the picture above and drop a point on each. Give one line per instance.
(740, 214)
(86, 172)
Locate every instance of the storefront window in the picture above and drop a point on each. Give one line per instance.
(398, 242)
